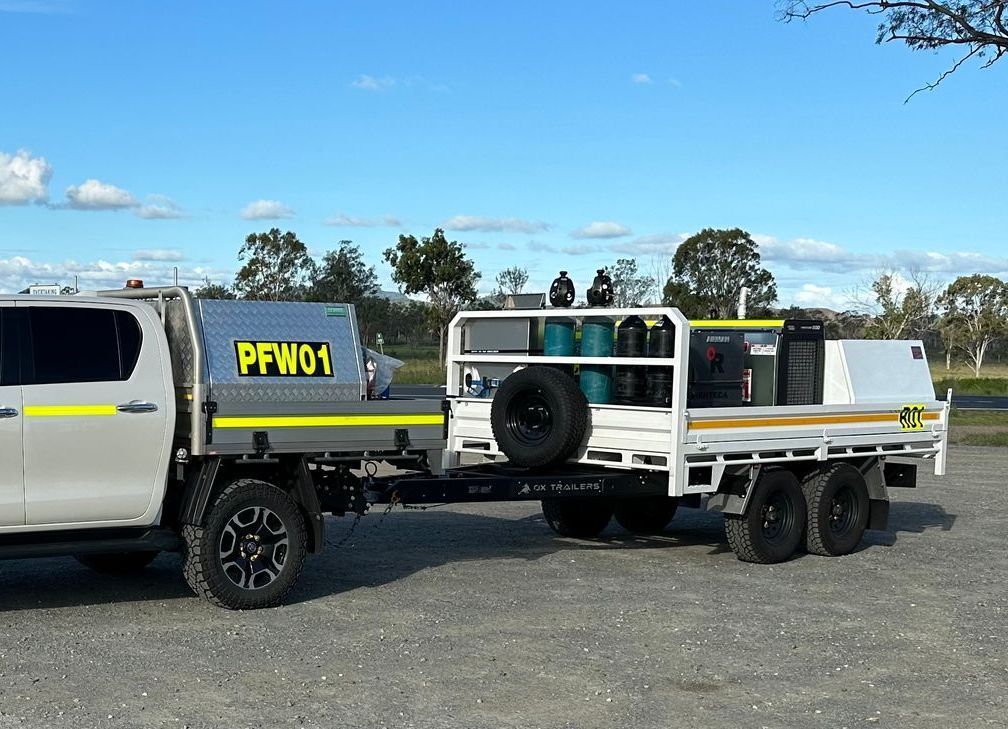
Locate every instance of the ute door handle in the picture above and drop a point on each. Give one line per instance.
(137, 406)
(8, 412)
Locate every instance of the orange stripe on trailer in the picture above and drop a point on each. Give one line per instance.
(786, 421)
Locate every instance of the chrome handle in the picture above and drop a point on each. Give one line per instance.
(8, 412)
(137, 406)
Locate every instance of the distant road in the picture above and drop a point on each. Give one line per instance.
(977, 402)
(965, 402)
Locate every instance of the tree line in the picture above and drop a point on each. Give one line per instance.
(967, 319)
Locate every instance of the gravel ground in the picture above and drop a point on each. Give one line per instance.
(479, 616)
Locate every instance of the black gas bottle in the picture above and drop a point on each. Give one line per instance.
(661, 343)
(630, 381)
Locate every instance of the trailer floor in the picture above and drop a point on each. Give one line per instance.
(478, 616)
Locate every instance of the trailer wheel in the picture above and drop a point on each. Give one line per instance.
(649, 515)
(837, 499)
(250, 551)
(772, 527)
(538, 417)
(119, 563)
(578, 518)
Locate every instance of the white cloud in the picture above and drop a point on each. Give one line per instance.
(507, 246)
(95, 195)
(494, 225)
(266, 210)
(811, 254)
(675, 82)
(373, 83)
(808, 253)
(814, 296)
(23, 179)
(641, 78)
(655, 244)
(158, 254)
(18, 272)
(352, 221)
(159, 207)
(602, 229)
(581, 249)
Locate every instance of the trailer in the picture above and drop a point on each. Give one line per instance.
(142, 420)
(797, 449)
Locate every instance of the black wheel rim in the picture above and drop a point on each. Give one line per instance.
(778, 517)
(844, 511)
(529, 418)
(254, 547)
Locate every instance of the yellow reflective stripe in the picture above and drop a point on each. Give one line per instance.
(736, 323)
(801, 420)
(323, 421)
(64, 411)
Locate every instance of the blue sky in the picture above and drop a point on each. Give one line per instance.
(135, 137)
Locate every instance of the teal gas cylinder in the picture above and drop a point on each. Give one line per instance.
(558, 341)
(597, 341)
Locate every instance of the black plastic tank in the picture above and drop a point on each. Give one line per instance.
(661, 343)
(630, 381)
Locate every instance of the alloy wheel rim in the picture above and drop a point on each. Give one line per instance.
(253, 547)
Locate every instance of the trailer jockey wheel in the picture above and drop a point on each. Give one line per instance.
(250, 550)
(538, 417)
(772, 527)
(648, 515)
(579, 518)
(837, 499)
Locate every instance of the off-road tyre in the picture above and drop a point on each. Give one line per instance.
(118, 563)
(838, 510)
(579, 518)
(207, 570)
(648, 515)
(771, 529)
(539, 417)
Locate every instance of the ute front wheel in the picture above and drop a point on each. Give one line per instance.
(250, 551)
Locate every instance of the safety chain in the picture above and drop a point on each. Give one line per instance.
(357, 519)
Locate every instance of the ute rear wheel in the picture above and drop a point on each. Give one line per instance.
(837, 499)
(580, 518)
(538, 417)
(648, 515)
(250, 550)
(121, 563)
(772, 527)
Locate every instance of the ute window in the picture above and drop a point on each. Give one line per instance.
(79, 344)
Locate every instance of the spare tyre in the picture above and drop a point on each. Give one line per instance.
(538, 416)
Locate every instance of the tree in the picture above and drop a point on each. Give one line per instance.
(277, 267)
(344, 276)
(847, 325)
(212, 290)
(512, 280)
(977, 306)
(971, 27)
(438, 269)
(709, 270)
(629, 287)
(901, 306)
